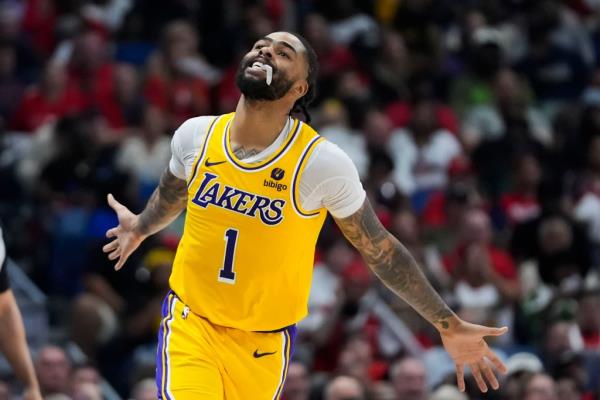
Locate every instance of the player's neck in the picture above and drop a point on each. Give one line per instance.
(257, 123)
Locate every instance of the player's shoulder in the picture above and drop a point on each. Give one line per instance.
(328, 158)
(191, 132)
(195, 123)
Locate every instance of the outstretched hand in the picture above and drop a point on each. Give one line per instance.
(465, 344)
(127, 238)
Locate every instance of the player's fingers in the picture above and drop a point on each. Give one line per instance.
(110, 246)
(460, 377)
(113, 203)
(489, 374)
(499, 365)
(114, 255)
(112, 232)
(494, 331)
(122, 260)
(478, 378)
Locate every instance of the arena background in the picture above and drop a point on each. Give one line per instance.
(475, 127)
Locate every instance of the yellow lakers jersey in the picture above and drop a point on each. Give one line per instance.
(246, 256)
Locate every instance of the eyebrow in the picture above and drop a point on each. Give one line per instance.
(286, 44)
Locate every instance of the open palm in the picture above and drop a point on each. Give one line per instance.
(126, 237)
(466, 345)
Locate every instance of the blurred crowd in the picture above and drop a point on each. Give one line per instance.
(474, 125)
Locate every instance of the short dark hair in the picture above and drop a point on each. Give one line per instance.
(301, 105)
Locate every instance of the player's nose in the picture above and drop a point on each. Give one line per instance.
(266, 51)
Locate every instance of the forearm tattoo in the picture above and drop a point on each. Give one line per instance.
(167, 201)
(394, 265)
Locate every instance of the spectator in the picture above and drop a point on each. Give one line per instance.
(422, 154)
(382, 391)
(521, 205)
(566, 389)
(11, 86)
(545, 58)
(297, 385)
(53, 368)
(392, 69)
(85, 383)
(326, 297)
(588, 319)
(178, 76)
(122, 108)
(146, 155)
(6, 392)
(587, 207)
(540, 387)
(485, 57)
(39, 19)
(409, 380)
(485, 276)
(489, 122)
(553, 240)
(344, 387)
(52, 99)
(406, 228)
(91, 69)
(401, 112)
(333, 57)
(561, 338)
(356, 361)
(144, 390)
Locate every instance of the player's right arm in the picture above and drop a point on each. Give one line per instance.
(165, 204)
(168, 199)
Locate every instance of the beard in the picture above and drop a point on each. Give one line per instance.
(257, 89)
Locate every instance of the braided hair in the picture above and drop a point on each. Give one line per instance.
(301, 105)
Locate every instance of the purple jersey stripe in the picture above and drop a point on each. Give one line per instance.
(161, 360)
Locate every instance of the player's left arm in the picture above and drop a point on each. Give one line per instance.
(399, 271)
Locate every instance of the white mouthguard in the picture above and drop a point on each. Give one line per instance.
(269, 70)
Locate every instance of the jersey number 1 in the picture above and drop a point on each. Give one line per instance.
(226, 273)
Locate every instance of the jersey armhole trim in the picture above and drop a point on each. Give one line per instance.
(198, 161)
(297, 172)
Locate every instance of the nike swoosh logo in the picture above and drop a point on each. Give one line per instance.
(207, 163)
(259, 355)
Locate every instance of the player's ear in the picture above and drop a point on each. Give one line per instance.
(301, 88)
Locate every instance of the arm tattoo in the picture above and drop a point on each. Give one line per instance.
(241, 152)
(394, 265)
(165, 204)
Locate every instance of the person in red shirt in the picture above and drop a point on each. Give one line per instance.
(521, 204)
(176, 74)
(90, 68)
(588, 319)
(485, 277)
(123, 108)
(52, 99)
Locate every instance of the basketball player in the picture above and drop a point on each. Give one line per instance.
(13, 343)
(257, 185)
